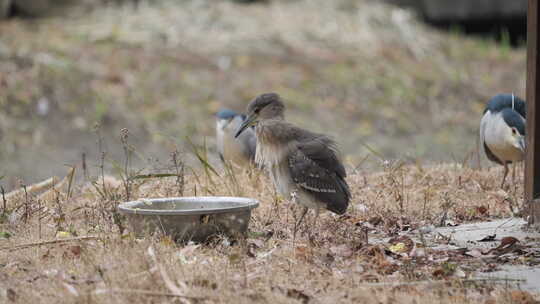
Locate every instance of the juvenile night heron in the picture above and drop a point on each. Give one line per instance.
(303, 165)
(502, 130)
(240, 150)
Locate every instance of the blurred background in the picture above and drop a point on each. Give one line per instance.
(401, 79)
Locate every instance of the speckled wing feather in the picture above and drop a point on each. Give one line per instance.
(315, 168)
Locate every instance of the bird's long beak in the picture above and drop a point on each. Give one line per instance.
(246, 124)
(522, 144)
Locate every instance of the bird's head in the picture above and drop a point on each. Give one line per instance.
(515, 129)
(224, 118)
(263, 107)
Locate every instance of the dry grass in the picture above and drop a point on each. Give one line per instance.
(328, 262)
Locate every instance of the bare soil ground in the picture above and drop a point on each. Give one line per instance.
(381, 251)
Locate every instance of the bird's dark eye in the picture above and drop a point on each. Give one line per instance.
(514, 132)
(257, 111)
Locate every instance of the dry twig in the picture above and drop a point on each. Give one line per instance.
(57, 241)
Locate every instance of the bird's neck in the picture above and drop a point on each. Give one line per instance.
(273, 138)
(274, 131)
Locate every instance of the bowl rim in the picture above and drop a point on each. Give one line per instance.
(129, 207)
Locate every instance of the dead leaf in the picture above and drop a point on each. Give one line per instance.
(298, 295)
(167, 241)
(72, 251)
(303, 252)
(63, 234)
(522, 297)
(507, 245)
(11, 295)
(398, 248)
(508, 242)
(401, 244)
(438, 273)
(481, 210)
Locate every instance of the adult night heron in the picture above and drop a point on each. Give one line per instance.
(303, 165)
(502, 130)
(240, 150)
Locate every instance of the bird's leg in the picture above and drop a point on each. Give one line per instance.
(313, 227)
(505, 174)
(297, 224)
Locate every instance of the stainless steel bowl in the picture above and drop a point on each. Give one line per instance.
(190, 218)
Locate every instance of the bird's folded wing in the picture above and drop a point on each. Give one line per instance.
(488, 116)
(315, 168)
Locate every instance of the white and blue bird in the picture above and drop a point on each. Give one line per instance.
(502, 130)
(241, 150)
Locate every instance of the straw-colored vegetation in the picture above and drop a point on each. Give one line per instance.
(348, 259)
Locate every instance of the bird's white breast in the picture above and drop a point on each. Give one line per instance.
(229, 146)
(494, 132)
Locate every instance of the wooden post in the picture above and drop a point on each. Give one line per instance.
(532, 157)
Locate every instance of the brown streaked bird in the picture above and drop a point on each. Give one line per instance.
(303, 165)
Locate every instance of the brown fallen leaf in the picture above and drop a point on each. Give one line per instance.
(298, 295)
(72, 251)
(507, 245)
(303, 252)
(438, 273)
(508, 242)
(11, 295)
(522, 297)
(481, 210)
(401, 244)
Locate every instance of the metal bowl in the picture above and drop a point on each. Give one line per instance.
(190, 218)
